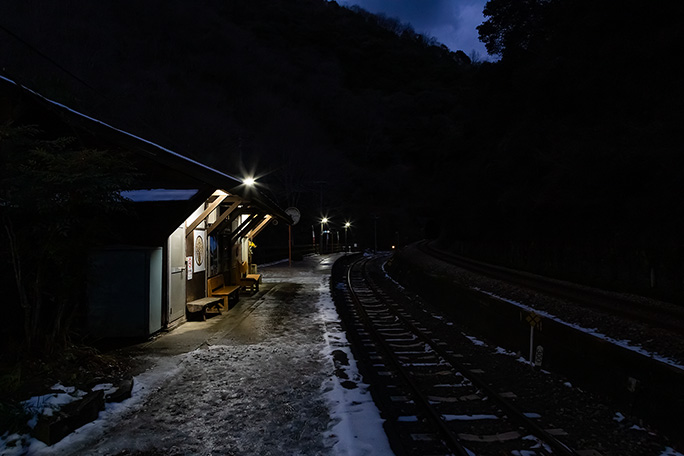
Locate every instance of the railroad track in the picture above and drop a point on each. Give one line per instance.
(662, 315)
(434, 401)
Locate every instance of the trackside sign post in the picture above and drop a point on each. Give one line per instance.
(535, 321)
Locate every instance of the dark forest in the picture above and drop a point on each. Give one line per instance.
(561, 157)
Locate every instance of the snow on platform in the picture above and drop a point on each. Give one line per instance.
(259, 379)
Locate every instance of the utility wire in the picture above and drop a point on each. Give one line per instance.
(75, 77)
(48, 58)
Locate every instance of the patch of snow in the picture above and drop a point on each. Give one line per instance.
(108, 388)
(16, 444)
(273, 263)
(144, 384)
(475, 340)
(48, 404)
(398, 285)
(619, 417)
(469, 417)
(669, 451)
(158, 194)
(62, 388)
(539, 443)
(591, 331)
(358, 425)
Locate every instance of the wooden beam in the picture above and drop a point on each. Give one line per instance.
(223, 217)
(205, 213)
(261, 226)
(245, 227)
(257, 220)
(243, 210)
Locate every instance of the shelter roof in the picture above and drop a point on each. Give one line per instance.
(164, 168)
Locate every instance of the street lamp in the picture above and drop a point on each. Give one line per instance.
(249, 181)
(324, 220)
(346, 227)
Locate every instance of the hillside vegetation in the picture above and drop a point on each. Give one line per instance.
(562, 157)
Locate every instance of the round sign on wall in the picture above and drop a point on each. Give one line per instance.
(199, 250)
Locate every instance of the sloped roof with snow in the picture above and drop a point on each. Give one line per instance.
(191, 178)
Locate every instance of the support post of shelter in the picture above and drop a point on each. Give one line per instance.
(289, 244)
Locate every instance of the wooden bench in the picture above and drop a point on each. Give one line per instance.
(199, 307)
(248, 282)
(218, 288)
(254, 276)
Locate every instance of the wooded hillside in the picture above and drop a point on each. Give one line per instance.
(561, 157)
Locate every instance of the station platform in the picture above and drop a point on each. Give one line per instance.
(261, 378)
(284, 295)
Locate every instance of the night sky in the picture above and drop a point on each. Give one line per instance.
(451, 22)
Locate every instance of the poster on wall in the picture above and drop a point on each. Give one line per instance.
(200, 250)
(189, 263)
(213, 256)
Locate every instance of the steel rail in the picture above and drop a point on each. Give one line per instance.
(451, 440)
(513, 412)
(672, 319)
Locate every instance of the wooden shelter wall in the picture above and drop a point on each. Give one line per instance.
(195, 287)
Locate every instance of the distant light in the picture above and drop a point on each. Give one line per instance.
(347, 225)
(393, 247)
(249, 181)
(325, 220)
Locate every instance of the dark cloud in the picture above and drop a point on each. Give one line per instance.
(452, 22)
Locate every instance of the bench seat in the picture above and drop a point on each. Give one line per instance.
(249, 282)
(256, 277)
(218, 288)
(200, 307)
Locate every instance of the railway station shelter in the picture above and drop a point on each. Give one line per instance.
(185, 223)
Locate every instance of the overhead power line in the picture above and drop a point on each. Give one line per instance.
(80, 80)
(48, 58)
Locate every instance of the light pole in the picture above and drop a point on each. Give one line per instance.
(346, 227)
(375, 234)
(323, 221)
(313, 238)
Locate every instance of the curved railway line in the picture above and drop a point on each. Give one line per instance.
(661, 315)
(435, 401)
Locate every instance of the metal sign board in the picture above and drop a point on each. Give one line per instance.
(294, 214)
(534, 320)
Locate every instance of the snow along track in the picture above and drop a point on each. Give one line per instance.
(434, 403)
